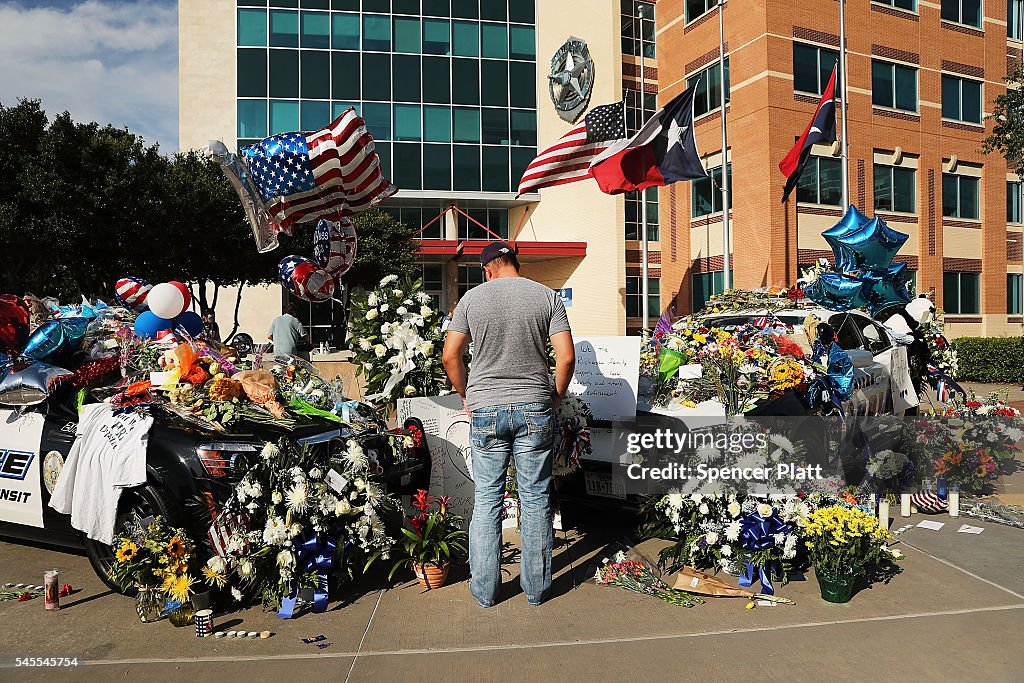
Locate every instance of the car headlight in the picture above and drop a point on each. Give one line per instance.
(226, 458)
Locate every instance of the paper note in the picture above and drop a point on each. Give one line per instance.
(607, 375)
(336, 482)
(968, 529)
(765, 603)
(929, 524)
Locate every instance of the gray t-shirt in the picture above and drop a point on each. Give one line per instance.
(509, 320)
(287, 332)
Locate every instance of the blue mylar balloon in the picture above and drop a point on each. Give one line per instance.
(851, 222)
(190, 321)
(63, 334)
(874, 245)
(888, 287)
(148, 325)
(837, 292)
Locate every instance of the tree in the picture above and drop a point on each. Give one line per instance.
(386, 246)
(1007, 136)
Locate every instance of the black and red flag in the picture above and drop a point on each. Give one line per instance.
(821, 130)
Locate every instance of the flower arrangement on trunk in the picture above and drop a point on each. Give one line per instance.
(843, 544)
(302, 518)
(433, 538)
(573, 439)
(396, 340)
(151, 553)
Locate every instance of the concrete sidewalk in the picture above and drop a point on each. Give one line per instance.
(953, 613)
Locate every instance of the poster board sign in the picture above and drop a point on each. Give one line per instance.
(901, 385)
(20, 491)
(607, 375)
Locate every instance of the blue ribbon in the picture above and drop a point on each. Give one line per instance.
(314, 555)
(758, 533)
(836, 385)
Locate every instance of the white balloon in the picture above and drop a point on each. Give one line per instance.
(166, 300)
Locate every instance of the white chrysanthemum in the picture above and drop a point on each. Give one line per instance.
(255, 490)
(285, 559)
(732, 531)
(780, 539)
(764, 510)
(697, 497)
(727, 551)
(422, 297)
(315, 473)
(217, 564)
(374, 494)
(674, 499)
(388, 279)
(269, 451)
(379, 350)
(371, 314)
(373, 299)
(297, 497)
(782, 442)
(356, 456)
(275, 532)
(364, 344)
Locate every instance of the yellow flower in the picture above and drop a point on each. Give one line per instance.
(181, 588)
(176, 547)
(214, 578)
(127, 551)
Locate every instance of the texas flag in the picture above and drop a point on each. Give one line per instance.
(664, 151)
(821, 129)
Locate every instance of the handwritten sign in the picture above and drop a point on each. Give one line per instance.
(607, 375)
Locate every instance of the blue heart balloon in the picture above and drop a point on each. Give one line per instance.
(64, 334)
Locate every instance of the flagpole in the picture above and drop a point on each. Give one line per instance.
(644, 271)
(726, 203)
(844, 154)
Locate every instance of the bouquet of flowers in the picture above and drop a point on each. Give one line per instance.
(943, 355)
(843, 540)
(151, 553)
(638, 577)
(309, 516)
(967, 466)
(573, 439)
(396, 340)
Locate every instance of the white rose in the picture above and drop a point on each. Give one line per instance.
(704, 509)
(245, 568)
(711, 537)
(315, 473)
(426, 311)
(371, 314)
(217, 564)
(380, 350)
(734, 509)
(401, 310)
(385, 328)
(384, 308)
(295, 529)
(409, 390)
(426, 348)
(359, 484)
(285, 559)
(342, 508)
(764, 510)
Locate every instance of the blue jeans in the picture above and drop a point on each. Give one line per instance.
(526, 432)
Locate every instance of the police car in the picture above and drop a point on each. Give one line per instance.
(190, 470)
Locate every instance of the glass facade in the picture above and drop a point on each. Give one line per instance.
(812, 67)
(706, 284)
(446, 87)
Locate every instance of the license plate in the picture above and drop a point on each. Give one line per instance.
(602, 484)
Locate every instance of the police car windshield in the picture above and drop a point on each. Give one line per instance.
(730, 321)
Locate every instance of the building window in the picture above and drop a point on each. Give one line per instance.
(909, 5)
(633, 215)
(961, 293)
(708, 96)
(895, 189)
(1013, 303)
(470, 275)
(961, 196)
(961, 99)
(704, 285)
(433, 283)
(325, 322)
(635, 117)
(695, 9)
(1013, 207)
(893, 86)
(284, 28)
(812, 67)
(962, 12)
(706, 193)
(635, 297)
(496, 221)
(637, 33)
(252, 27)
(821, 182)
(1015, 19)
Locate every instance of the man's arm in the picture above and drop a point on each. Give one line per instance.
(455, 344)
(565, 364)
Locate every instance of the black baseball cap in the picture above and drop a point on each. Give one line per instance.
(494, 250)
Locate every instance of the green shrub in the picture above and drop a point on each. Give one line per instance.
(990, 359)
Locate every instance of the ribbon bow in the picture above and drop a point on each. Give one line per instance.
(315, 554)
(758, 533)
(575, 435)
(836, 385)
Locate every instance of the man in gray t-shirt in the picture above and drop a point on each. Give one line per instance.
(512, 406)
(286, 332)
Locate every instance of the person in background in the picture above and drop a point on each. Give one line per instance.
(288, 334)
(512, 408)
(212, 328)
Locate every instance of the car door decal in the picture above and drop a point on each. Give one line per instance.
(20, 490)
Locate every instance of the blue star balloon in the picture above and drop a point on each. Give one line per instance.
(872, 246)
(886, 288)
(837, 291)
(852, 221)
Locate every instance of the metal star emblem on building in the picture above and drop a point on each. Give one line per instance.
(571, 80)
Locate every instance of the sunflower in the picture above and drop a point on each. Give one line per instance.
(127, 551)
(176, 547)
(181, 588)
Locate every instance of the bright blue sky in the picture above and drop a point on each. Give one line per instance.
(111, 61)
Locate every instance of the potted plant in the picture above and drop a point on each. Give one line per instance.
(154, 559)
(435, 535)
(844, 542)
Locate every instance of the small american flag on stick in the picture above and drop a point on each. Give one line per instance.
(306, 176)
(568, 160)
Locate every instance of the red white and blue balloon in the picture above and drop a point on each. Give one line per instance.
(132, 291)
(305, 279)
(334, 245)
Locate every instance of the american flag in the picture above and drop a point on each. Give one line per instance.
(305, 176)
(568, 160)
